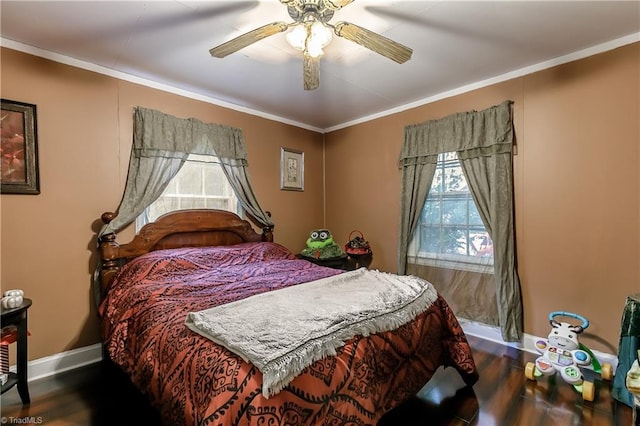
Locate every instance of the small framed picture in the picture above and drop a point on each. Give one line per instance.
(291, 169)
(19, 148)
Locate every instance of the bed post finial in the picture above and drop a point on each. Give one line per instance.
(267, 233)
(267, 230)
(107, 217)
(108, 255)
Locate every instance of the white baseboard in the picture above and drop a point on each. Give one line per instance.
(75, 358)
(63, 361)
(493, 334)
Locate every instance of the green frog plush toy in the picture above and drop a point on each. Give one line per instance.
(320, 245)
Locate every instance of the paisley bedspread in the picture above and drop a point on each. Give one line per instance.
(193, 381)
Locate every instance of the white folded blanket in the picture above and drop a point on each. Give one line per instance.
(283, 331)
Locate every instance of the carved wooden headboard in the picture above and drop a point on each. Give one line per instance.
(183, 228)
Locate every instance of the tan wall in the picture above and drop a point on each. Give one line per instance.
(577, 186)
(84, 140)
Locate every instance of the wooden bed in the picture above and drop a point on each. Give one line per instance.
(183, 228)
(191, 260)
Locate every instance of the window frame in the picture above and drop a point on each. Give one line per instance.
(144, 217)
(417, 254)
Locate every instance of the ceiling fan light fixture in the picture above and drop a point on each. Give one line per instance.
(314, 51)
(311, 31)
(319, 34)
(309, 37)
(297, 37)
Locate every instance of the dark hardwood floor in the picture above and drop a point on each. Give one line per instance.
(99, 395)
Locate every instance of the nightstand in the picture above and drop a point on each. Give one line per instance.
(18, 316)
(340, 262)
(357, 261)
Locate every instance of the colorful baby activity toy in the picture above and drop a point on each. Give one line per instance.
(563, 353)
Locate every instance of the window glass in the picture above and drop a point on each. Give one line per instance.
(199, 184)
(450, 228)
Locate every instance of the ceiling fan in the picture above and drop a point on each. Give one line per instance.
(310, 31)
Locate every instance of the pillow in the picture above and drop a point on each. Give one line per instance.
(210, 257)
(243, 253)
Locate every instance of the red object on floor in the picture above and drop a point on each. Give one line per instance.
(9, 335)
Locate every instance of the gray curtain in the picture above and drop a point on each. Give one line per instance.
(161, 145)
(484, 143)
(237, 174)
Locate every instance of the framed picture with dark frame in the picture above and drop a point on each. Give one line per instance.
(291, 169)
(18, 148)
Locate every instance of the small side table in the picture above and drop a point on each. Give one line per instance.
(339, 262)
(18, 316)
(360, 260)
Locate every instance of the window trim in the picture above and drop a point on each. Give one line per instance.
(452, 261)
(228, 192)
(466, 262)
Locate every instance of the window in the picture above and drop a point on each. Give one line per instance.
(450, 232)
(199, 184)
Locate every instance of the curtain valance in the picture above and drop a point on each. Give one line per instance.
(471, 134)
(157, 134)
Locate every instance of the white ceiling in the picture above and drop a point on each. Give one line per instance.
(456, 46)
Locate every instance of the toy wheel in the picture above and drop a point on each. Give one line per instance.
(588, 391)
(607, 371)
(530, 371)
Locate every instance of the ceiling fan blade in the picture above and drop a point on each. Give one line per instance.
(373, 41)
(311, 72)
(246, 39)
